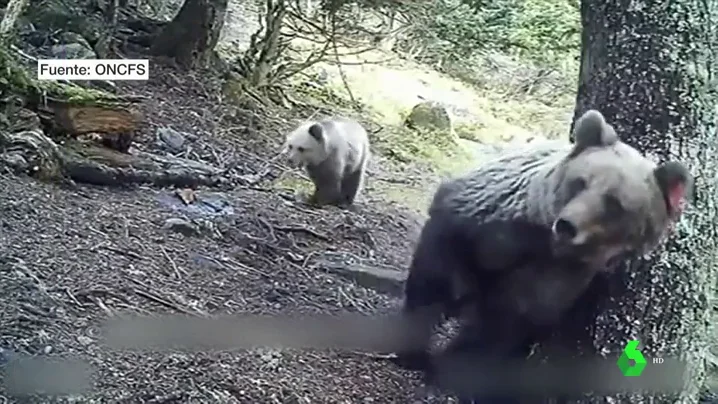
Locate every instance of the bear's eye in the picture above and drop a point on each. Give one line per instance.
(300, 149)
(575, 186)
(613, 205)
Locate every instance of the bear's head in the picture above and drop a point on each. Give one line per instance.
(610, 200)
(306, 145)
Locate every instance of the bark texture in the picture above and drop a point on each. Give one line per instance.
(192, 35)
(13, 10)
(648, 66)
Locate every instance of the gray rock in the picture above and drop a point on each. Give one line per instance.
(15, 161)
(73, 37)
(171, 138)
(382, 280)
(207, 205)
(72, 51)
(181, 226)
(322, 77)
(430, 115)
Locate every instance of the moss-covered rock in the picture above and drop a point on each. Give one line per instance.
(69, 16)
(429, 115)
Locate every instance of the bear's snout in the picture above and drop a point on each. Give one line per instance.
(294, 161)
(564, 230)
(567, 237)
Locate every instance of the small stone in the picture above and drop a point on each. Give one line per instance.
(84, 340)
(14, 160)
(181, 226)
(72, 51)
(171, 138)
(73, 37)
(6, 356)
(383, 280)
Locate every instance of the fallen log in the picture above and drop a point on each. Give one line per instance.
(114, 125)
(73, 110)
(80, 120)
(102, 166)
(66, 108)
(34, 153)
(383, 280)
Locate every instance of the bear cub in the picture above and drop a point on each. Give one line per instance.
(335, 153)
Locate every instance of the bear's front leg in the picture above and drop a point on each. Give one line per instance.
(327, 184)
(485, 347)
(327, 192)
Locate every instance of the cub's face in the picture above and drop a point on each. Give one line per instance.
(612, 201)
(303, 149)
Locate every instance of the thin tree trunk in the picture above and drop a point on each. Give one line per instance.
(13, 10)
(192, 35)
(269, 51)
(648, 67)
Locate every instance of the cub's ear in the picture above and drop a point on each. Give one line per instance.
(316, 132)
(676, 184)
(591, 130)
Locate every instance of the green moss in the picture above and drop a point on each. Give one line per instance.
(15, 79)
(469, 130)
(233, 89)
(291, 180)
(413, 197)
(78, 95)
(437, 149)
(534, 116)
(324, 95)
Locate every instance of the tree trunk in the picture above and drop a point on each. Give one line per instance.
(191, 36)
(647, 66)
(263, 54)
(13, 10)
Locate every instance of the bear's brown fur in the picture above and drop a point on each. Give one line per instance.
(613, 197)
(522, 237)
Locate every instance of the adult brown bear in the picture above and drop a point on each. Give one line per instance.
(522, 237)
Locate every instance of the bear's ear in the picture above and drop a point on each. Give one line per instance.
(591, 130)
(315, 131)
(676, 184)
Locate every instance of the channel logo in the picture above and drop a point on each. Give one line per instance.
(632, 354)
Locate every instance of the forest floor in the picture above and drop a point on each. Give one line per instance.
(70, 257)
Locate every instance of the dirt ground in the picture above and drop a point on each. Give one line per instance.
(72, 257)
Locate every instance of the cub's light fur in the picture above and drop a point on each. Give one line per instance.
(334, 153)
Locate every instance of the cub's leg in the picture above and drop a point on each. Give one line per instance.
(327, 184)
(352, 185)
(327, 193)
